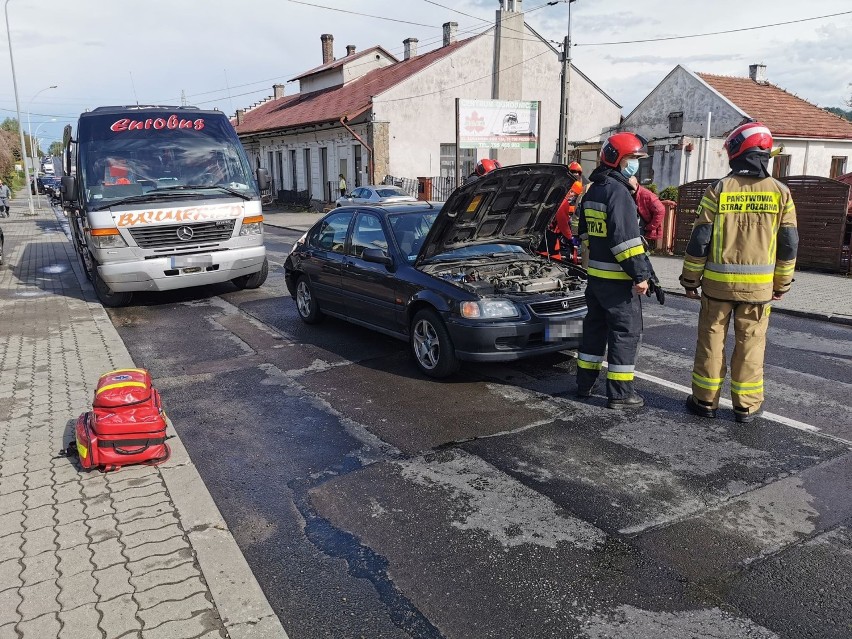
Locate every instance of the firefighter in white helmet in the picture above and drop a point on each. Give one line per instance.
(741, 255)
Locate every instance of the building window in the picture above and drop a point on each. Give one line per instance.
(279, 180)
(270, 166)
(294, 184)
(676, 122)
(781, 166)
(356, 153)
(308, 176)
(467, 159)
(838, 166)
(645, 174)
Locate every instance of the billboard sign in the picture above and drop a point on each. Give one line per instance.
(498, 124)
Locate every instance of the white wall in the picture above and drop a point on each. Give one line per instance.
(324, 80)
(422, 117)
(364, 64)
(813, 157)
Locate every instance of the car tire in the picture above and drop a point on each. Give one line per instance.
(106, 296)
(253, 280)
(306, 302)
(431, 346)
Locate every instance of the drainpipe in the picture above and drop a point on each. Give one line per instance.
(365, 145)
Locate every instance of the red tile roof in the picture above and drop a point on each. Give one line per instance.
(340, 61)
(328, 105)
(785, 114)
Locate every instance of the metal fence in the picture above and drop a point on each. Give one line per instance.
(436, 189)
(821, 212)
(294, 198)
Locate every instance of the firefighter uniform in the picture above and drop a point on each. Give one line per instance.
(742, 250)
(609, 230)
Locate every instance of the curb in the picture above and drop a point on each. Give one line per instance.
(238, 597)
(821, 317)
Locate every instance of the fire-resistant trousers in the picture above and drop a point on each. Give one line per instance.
(708, 373)
(613, 327)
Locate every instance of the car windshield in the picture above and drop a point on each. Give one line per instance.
(410, 229)
(123, 157)
(390, 191)
(478, 250)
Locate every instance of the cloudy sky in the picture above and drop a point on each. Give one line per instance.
(227, 55)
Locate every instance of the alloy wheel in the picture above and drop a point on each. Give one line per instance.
(303, 299)
(427, 346)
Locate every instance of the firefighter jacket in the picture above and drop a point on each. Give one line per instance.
(744, 242)
(609, 229)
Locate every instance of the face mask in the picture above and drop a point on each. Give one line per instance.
(631, 168)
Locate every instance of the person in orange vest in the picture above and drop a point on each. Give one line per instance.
(558, 236)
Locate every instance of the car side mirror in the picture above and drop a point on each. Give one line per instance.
(378, 256)
(262, 179)
(68, 188)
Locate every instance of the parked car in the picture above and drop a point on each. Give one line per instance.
(377, 194)
(458, 283)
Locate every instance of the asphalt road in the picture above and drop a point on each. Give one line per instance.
(373, 502)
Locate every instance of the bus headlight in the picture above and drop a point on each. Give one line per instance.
(107, 238)
(252, 225)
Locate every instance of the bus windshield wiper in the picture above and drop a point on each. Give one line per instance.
(142, 197)
(193, 187)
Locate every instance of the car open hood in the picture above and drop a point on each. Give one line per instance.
(513, 205)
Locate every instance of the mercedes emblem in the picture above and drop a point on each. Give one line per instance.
(185, 233)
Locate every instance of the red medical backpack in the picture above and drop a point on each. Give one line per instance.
(126, 425)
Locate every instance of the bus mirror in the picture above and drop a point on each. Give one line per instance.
(262, 179)
(68, 188)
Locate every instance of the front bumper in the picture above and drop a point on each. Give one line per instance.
(158, 274)
(510, 341)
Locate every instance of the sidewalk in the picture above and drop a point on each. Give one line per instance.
(815, 295)
(142, 552)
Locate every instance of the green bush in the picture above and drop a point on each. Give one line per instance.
(651, 187)
(669, 193)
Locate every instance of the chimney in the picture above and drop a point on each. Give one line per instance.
(757, 72)
(277, 91)
(410, 45)
(327, 47)
(450, 29)
(350, 49)
(241, 113)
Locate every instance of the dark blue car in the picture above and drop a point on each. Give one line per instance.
(460, 282)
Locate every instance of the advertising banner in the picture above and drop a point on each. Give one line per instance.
(498, 124)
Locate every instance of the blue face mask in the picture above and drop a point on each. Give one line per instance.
(631, 168)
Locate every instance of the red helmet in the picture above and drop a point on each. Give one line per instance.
(575, 167)
(486, 165)
(620, 146)
(751, 135)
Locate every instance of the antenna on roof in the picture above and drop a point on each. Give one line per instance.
(182, 97)
(133, 85)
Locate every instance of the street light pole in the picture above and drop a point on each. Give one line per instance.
(33, 152)
(18, 109)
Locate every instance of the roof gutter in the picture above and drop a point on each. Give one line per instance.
(365, 145)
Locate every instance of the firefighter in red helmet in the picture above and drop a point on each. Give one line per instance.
(741, 254)
(483, 167)
(619, 273)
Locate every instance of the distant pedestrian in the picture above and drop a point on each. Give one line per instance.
(742, 254)
(5, 194)
(342, 185)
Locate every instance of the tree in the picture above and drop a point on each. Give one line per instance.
(55, 148)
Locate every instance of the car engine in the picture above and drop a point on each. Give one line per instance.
(527, 276)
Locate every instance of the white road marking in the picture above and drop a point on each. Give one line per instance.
(780, 419)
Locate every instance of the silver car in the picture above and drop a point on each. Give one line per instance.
(375, 194)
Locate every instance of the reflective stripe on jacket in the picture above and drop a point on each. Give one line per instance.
(609, 227)
(744, 241)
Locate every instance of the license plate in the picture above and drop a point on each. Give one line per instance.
(559, 331)
(184, 261)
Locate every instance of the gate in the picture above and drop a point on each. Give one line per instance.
(821, 213)
(688, 198)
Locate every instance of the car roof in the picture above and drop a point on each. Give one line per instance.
(390, 208)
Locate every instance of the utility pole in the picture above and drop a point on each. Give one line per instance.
(18, 110)
(182, 97)
(565, 103)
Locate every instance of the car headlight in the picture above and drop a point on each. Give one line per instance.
(252, 225)
(488, 309)
(298, 243)
(107, 238)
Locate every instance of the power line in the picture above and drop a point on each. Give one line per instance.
(711, 33)
(366, 15)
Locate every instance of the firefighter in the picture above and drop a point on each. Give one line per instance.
(741, 255)
(558, 237)
(484, 166)
(618, 274)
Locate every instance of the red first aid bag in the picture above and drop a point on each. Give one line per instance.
(126, 425)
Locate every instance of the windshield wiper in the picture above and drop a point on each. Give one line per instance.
(142, 197)
(195, 187)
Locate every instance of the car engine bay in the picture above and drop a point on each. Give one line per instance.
(518, 276)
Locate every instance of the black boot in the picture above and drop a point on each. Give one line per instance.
(745, 417)
(631, 401)
(702, 409)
